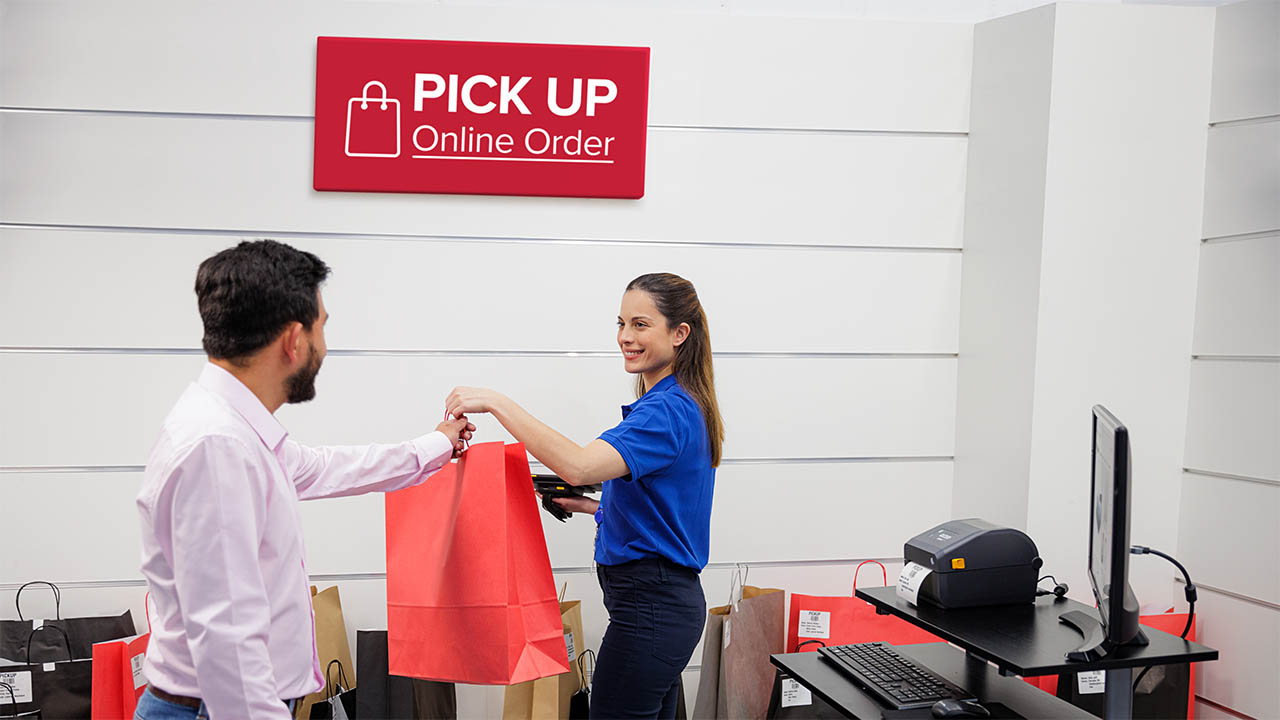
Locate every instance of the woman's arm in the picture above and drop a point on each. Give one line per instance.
(576, 465)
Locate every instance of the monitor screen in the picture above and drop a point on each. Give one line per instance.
(1109, 528)
(1102, 516)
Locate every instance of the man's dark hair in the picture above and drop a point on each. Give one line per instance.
(248, 294)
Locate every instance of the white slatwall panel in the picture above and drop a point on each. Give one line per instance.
(880, 301)
(1227, 530)
(255, 175)
(1243, 554)
(112, 405)
(346, 535)
(707, 70)
(1238, 301)
(742, 195)
(1242, 179)
(1233, 419)
(1247, 636)
(1246, 76)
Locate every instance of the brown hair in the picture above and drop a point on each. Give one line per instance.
(678, 302)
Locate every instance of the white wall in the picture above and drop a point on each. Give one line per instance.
(1227, 534)
(1087, 145)
(824, 236)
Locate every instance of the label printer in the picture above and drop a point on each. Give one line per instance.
(973, 562)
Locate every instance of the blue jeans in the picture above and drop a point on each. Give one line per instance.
(656, 615)
(151, 707)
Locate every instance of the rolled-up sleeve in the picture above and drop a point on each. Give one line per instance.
(338, 471)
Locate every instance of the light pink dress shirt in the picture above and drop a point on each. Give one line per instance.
(222, 544)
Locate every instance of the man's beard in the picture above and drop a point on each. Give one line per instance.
(301, 386)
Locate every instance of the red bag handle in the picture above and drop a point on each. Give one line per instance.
(869, 562)
(146, 608)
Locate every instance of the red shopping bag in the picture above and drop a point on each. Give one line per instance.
(470, 597)
(117, 675)
(373, 123)
(818, 621)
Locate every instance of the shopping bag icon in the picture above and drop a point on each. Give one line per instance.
(373, 124)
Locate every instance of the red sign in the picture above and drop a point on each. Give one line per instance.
(480, 118)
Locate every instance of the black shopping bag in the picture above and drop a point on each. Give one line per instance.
(383, 695)
(48, 688)
(80, 633)
(340, 698)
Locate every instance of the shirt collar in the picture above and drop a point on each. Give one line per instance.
(663, 385)
(241, 399)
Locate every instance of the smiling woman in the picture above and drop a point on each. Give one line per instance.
(654, 516)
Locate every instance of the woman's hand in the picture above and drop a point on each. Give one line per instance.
(465, 400)
(578, 504)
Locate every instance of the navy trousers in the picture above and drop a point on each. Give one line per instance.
(656, 615)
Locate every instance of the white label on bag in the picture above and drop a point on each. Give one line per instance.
(136, 662)
(815, 624)
(910, 580)
(794, 694)
(568, 645)
(48, 667)
(1093, 682)
(21, 684)
(726, 632)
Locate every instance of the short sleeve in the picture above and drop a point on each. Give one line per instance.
(646, 439)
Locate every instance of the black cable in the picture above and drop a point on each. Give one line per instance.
(1189, 592)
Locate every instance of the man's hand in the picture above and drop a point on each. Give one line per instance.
(458, 431)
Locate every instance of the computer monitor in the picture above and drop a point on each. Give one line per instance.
(1109, 511)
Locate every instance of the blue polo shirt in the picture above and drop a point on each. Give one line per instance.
(663, 507)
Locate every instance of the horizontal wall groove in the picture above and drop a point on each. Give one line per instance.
(309, 118)
(1259, 235)
(1237, 358)
(563, 570)
(844, 460)
(349, 352)
(1229, 476)
(239, 234)
(1238, 596)
(1245, 121)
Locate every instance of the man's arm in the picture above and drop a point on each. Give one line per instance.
(217, 508)
(338, 471)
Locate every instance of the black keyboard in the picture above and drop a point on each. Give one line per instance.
(896, 680)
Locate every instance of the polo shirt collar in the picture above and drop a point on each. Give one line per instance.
(241, 399)
(663, 385)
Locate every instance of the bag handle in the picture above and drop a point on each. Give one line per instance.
(13, 699)
(563, 589)
(869, 562)
(738, 582)
(146, 608)
(582, 670)
(364, 95)
(819, 643)
(65, 639)
(333, 690)
(57, 598)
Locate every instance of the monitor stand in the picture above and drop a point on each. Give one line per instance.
(1096, 645)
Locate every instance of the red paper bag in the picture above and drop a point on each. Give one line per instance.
(117, 677)
(470, 597)
(823, 621)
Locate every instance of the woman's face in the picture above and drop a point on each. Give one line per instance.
(647, 343)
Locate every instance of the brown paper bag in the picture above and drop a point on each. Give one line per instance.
(331, 644)
(548, 698)
(736, 678)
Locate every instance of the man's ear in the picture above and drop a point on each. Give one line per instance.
(682, 334)
(292, 341)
